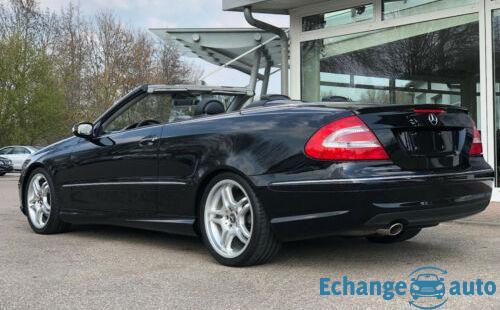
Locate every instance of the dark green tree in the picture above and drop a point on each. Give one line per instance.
(32, 105)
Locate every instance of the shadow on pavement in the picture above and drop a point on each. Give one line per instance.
(323, 251)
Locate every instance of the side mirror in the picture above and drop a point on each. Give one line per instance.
(83, 130)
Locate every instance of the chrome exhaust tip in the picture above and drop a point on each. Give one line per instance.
(393, 230)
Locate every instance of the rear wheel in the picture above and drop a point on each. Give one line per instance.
(41, 204)
(234, 225)
(2, 174)
(406, 234)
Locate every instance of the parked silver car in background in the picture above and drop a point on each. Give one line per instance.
(5, 166)
(17, 154)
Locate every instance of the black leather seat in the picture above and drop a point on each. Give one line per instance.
(209, 107)
(335, 99)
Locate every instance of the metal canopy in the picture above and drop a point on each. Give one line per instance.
(220, 46)
(199, 88)
(267, 6)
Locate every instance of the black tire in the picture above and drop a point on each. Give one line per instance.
(406, 234)
(54, 224)
(262, 246)
(2, 174)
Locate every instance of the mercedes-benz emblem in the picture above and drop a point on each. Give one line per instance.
(433, 119)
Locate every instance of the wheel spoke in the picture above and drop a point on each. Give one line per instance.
(45, 189)
(227, 196)
(242, 214)
(244, 230)
(241, 236)
(215, 212)
(39, 215)
(230, 242)
(45, 209)
(216, 220)
(243, 211)
(242, 202)
(227, 239)
(36, 187)
(223, 236)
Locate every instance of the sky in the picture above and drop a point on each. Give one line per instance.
(145, 14)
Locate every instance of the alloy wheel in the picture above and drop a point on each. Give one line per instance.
(228, 218)
(38, 201)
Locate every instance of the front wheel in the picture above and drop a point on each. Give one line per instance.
(41, 204)
(234, 226)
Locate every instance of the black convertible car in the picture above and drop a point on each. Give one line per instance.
(247, 176)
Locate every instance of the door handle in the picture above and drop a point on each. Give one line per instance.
(148, 141)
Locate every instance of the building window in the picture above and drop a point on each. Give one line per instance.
(338, 18)
(496, 56)
(430, 62)
(401, 8)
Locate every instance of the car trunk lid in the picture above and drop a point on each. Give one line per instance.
(422, 137)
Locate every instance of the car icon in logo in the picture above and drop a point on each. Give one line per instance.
(427, 285)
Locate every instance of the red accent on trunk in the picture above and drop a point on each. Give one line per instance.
(429, 110)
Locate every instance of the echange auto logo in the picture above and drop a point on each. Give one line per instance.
(426, 288)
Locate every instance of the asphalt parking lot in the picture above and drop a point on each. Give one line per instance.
(94, 267)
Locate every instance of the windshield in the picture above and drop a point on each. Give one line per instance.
(427, 277)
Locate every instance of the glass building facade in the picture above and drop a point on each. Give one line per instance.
(403, 52)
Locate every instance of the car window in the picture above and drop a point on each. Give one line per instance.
(20, 150)
(143, 111)
(6, 151)
(427, 277)
(158, 108)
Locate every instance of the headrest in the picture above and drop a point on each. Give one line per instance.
(209, 107)
(272, 97)
(335, 99)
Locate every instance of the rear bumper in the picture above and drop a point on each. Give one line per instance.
(312, 208)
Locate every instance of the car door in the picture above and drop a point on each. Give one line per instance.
(181, 148)
(118, 170)
(8, 152)
(19, 156)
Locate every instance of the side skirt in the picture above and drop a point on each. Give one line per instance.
(173, 225)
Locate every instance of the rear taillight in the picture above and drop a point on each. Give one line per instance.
(345, 139)
(477, 145)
